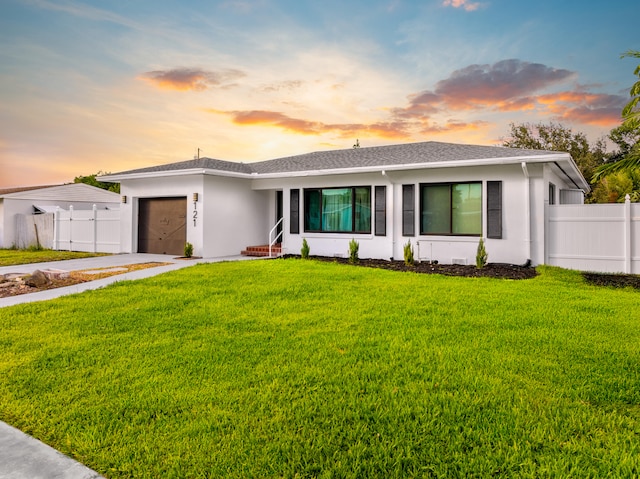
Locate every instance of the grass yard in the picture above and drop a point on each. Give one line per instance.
(292, 368)
(10, 257)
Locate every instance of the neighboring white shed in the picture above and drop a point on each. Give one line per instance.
(37, 200)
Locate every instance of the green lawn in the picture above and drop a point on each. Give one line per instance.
(292, 368)
(10, 257)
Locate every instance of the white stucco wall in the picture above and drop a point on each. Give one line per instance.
(330, 244)
(523, 201)
(162, 187)
(229, 215)
(235, 216)
(233, 213)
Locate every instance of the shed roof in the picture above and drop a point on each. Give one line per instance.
(73, 192)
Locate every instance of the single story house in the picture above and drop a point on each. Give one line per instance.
(16, 203)
(442, 197)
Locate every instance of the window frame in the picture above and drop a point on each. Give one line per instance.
(305, 206)
(451, 184)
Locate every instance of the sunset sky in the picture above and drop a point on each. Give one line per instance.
(115, 85)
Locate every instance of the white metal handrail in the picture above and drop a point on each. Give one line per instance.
(275, 228)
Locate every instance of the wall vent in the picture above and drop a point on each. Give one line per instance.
(458, 260)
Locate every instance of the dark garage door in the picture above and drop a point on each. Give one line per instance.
(162, 225)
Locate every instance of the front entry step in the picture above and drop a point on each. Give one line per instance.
(262, 250)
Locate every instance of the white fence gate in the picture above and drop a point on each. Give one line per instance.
(92, 231)
(597, 237)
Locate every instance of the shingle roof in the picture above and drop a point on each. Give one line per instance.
(377, 156)
(200, 163)
(392, 155)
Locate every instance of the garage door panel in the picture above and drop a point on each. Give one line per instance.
(162, 225)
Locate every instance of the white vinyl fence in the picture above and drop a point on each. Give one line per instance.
(599, 237)
(93, 231)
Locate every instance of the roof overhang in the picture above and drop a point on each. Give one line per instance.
(563, 160)
(170, 173)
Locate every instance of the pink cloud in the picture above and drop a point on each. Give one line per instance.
(184, 79)
(465, 4)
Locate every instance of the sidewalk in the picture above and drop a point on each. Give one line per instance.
(102, 262)
(23, 457)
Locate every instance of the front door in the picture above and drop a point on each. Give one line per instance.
(279, 216)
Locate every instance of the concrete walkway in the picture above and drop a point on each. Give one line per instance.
(23, 457)
(102, 262)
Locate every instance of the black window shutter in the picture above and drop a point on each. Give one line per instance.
(381, 211)
(294, 212)
(494, 209)
(408, 210)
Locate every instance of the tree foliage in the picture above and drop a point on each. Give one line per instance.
(614, 187)
(630, 160)
(556, 137)
(91, 180)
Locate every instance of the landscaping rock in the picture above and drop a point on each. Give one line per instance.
(37, 279)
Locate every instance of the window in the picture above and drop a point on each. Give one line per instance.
(338, 210)
(451, 209)
(552, 194)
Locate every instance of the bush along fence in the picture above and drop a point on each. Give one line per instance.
(597, 237)
(93, 231)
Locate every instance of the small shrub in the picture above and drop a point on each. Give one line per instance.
(481, 255)
(188, 250)
(408, 254)
(354, 246)
(304, 251)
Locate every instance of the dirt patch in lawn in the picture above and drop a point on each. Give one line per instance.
(12, 286)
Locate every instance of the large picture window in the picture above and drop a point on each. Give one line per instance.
(338, 210)
(451, 209)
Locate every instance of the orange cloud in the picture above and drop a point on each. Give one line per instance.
(274, 118)
(184, 79)
(584, 107)
(392, 130)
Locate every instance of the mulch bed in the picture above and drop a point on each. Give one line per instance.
(491, 270)
(613, 280)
